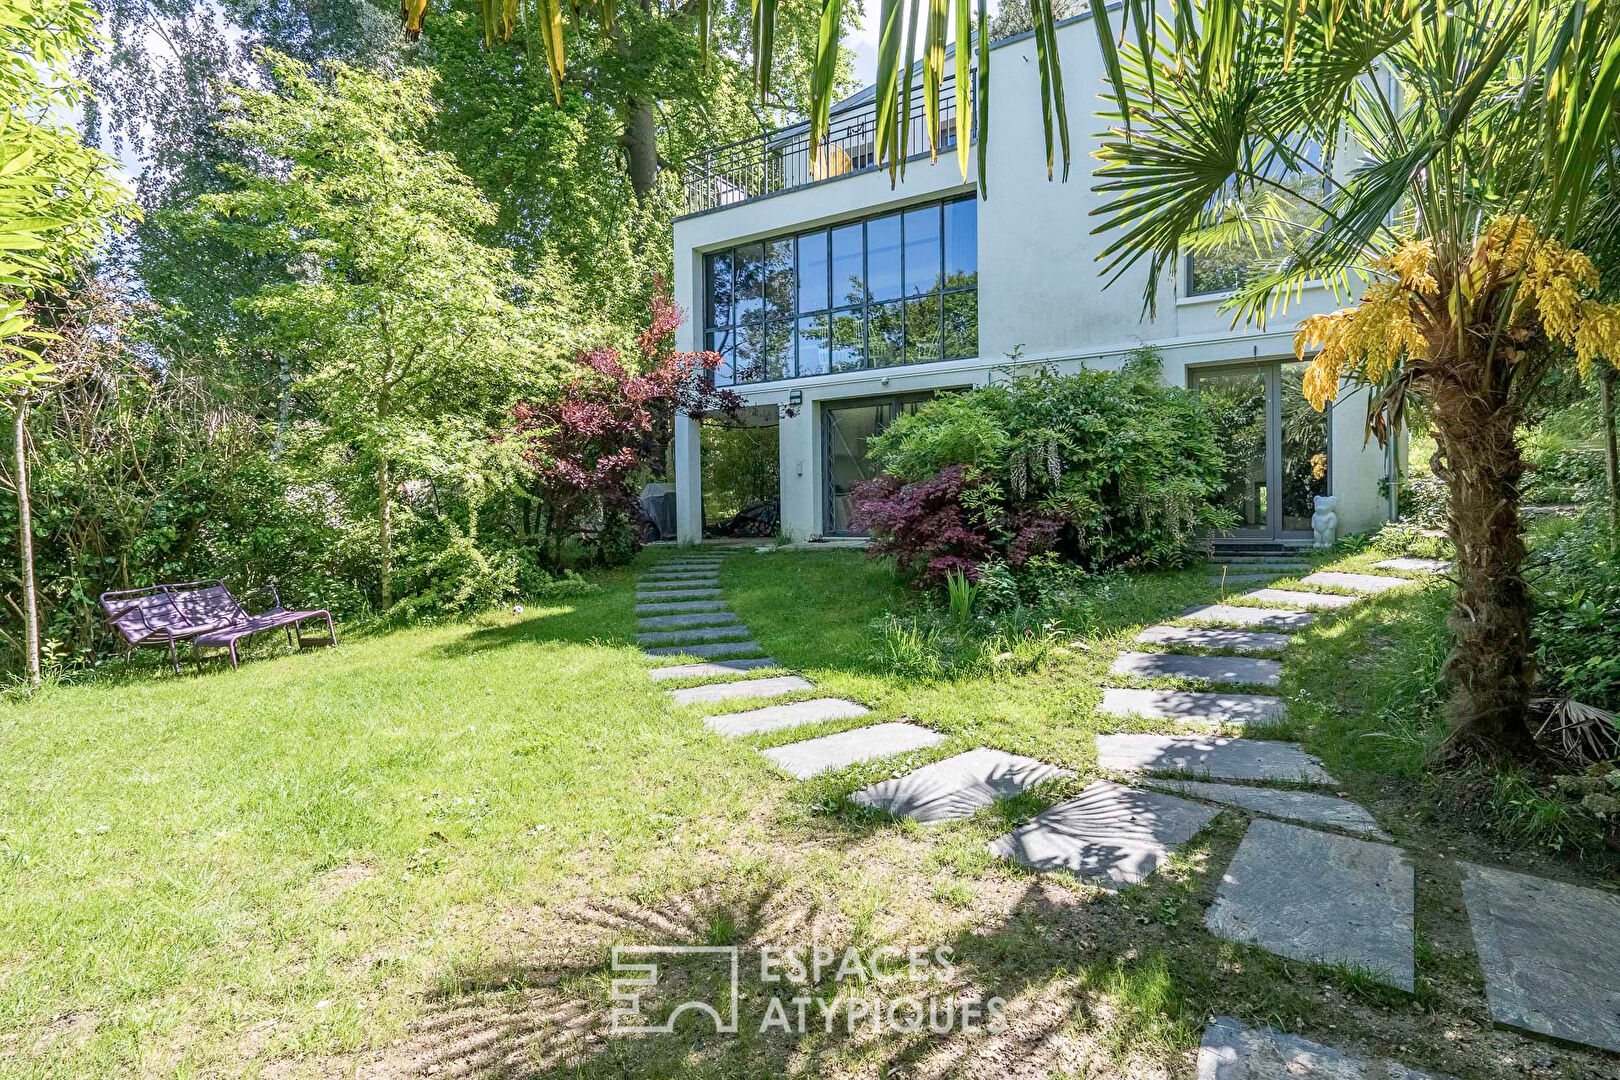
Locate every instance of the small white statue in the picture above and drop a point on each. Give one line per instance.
(1325, 522)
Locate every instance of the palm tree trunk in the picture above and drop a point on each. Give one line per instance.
(25, 544)
(1490, 669)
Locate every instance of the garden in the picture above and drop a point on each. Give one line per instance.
(361, 717)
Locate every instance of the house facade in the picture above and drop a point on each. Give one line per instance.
(839, 301)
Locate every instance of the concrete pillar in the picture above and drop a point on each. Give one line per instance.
(688, 479)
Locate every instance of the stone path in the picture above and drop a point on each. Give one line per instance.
(1322, 898)
(680, 612)
(1304, 806)
(1234, 1051)
(1211, 756)
(958, 787)
(1210, 637)
(1218, 669)
(1415, 566)
(1195, 707)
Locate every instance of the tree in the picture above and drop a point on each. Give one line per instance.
(1471, 135)
(416, 335)
(56, 198)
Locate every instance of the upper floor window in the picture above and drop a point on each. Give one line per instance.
(898, 288)
(1252, 230)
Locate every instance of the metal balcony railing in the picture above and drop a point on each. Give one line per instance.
(779, 160)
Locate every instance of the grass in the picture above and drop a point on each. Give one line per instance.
(417, 850)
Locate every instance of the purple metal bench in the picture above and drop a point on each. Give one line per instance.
(202, 612)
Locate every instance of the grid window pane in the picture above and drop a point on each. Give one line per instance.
(961, 325)
(779, 278)
(719, 289)
(750, 365)
(848, 266)
(724, 343)
(779, 349)
(883, 257)
(814, 344)
(922, 250)
(922, 330)
(848, 340)
(813, 272)
(749, 265)
(886, 339)
(961, 244)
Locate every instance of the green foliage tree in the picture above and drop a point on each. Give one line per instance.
(1473, 133)
(56, 199)
(416, 335)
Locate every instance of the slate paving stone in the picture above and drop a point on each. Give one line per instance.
(1221, 669)
(705, 671)
(1268, 618)
(694, 575)
(1262, 563)
(1233, 1051)
(1302, 806)
(678, 594)
(1110, 834)
(692, 633)
(747, 688)
(1361, 583)
(708, 650)
(1299, 599)
(1246, 578)
(778, 717)
(1550, 953)
(815, 756)
(1204, 637)
(1195, 707)
(673, 607)
(1211, 756)
(1321, 898)
(718, 617)
(1415, 566)
(958, 787)
(656, 586)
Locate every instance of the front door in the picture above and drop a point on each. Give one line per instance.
(1276, 446)
(845, 428)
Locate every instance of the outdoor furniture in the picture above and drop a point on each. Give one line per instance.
(204, 613)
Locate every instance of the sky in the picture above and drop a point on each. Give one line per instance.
(863, 40)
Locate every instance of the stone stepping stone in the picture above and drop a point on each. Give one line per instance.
(959, 786)
(1232, 1051)
(748, 688)
(1195, 707)
(1550, 953)
(1321, 898)
(660, 586)
(1261, 562)
(1303, 806)
(778, 717)
(680, 606)
(685, 575)
(704, 671)
(1361, 583)
(709, 650)
(1210, 755)
(1111, 835)
(693, 633)
(696, 618)
(1246, 579)
(1415, 566)
(1222, 669)
(1269, 618)
(815, 756)
(1299, 599)
(678, 594)
(1205, 637)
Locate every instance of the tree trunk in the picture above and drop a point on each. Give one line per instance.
(385, 532)
(1612, 456)
(25, 545)
(1490, 669)
(641, 146)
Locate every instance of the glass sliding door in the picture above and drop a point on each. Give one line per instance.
(1276, 446)
(845, 429)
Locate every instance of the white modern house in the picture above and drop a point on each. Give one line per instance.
(839, 301)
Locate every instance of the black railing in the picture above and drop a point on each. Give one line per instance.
(780, 160)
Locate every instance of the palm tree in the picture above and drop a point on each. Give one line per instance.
(1437, 157)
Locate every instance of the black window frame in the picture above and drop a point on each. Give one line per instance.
(732, 329)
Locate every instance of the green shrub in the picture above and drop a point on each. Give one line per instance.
(1577, 623)
(1126, 466)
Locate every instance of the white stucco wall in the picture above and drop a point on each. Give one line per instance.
(1039, 285)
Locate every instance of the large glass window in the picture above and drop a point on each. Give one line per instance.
(900, 288)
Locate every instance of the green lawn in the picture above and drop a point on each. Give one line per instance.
(414, 853)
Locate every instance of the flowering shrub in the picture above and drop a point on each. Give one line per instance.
(590, 447)
(1100, 469)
